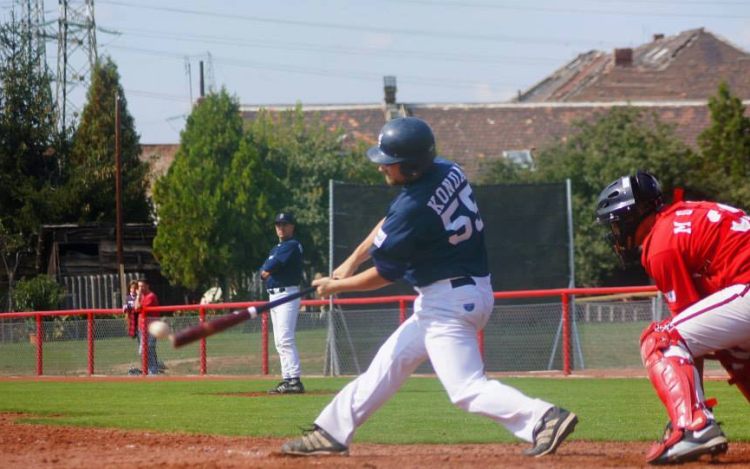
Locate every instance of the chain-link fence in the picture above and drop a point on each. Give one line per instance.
(343, 340)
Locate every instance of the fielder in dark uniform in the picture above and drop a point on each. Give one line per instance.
(282, 272)
(433, 237)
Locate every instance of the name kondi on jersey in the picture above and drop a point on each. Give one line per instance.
(445, 191)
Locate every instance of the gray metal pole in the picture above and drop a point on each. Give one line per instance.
(572, 282)
(571, 250)
(332, 364)
(118, 196)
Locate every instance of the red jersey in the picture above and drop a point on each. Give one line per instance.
(696, 249)
(150, 299)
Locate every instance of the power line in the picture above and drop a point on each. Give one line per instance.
(360, 28)
(155, 95)
(366, 76)
(299, 47)
(674, 2)
(328, 72)
(576, 11)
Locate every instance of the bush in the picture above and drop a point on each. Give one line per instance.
(41, 293)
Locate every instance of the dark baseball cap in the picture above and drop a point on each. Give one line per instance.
(285, 217)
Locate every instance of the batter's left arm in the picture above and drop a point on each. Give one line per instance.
(360, 255)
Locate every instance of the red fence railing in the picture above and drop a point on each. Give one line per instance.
(564, 294)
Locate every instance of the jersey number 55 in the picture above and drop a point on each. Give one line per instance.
(462, 225)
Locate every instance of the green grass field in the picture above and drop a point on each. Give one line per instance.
(609, 409)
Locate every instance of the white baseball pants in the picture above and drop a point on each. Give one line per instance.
(284, 320)
(444, 329)
(718, 322)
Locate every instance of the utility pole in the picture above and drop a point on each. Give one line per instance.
(118, 196)
(202, 82)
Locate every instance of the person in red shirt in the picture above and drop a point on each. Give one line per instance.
(145, 299)
(698, 254)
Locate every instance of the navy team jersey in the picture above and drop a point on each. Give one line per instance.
(285, 264)
(432, 231)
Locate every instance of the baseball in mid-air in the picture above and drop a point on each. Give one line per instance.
(159, 329)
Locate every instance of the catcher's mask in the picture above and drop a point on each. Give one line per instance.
(623, 205)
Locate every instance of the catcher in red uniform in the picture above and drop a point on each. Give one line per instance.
(698, 254)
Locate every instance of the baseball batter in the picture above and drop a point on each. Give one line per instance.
(698, 253)
(282, 272)
(433, 237)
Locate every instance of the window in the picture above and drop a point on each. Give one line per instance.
(521, 158)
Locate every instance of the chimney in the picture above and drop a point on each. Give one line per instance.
(389, 87)
(623, 57)
(658, 36)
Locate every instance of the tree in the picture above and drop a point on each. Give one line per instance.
(214, 205)
(724, 158)
(618, 142)
(503, 171)
(30, 161)
(92, 181)
(304, 155)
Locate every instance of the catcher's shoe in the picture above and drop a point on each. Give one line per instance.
(550, 431)
(692, 445)
(288, 386)
(314, 442)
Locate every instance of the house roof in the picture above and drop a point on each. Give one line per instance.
(472, 133)
(687, 66)
(672, 76)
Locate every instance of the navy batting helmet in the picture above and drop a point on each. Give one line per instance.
(623, 205)
(404, 140)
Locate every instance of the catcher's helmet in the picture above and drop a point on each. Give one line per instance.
(623, 205)
(405, 140)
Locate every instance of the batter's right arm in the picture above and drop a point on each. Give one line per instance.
(360, 255)
(363, 281)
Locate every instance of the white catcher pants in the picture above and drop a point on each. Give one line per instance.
(284, 320)
(444, 329)
(718, 322)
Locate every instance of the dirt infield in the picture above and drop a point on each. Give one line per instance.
(43, 446)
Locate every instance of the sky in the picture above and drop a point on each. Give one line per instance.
(338, 51)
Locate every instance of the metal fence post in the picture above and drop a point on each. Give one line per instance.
(39, 350)
(144, 343)
(90, 337)
(566, 332)
(202, 318)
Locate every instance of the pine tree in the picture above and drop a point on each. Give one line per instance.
(93, 167)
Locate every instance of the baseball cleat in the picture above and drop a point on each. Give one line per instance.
(694, 444)
(288, 386)
(550, 431)
(316, 442)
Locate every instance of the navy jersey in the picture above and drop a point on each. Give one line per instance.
(284, 264)
(432, 231)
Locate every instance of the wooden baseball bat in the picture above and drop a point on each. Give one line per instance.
(219, 324)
